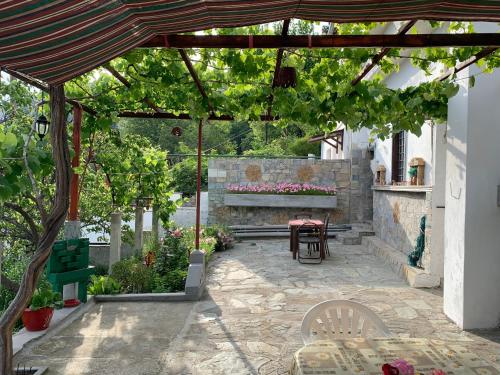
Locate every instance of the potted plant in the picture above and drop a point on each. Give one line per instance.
(37, 316)
(412, 172)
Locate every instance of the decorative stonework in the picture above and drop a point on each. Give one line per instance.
(305, 173)
(354, 198)
(396, 218)
(396, 213)
(253, 173)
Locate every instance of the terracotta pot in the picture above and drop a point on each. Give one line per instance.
(37, 320)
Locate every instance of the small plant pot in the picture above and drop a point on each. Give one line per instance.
(37, 320)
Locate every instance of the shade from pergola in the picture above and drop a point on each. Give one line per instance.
(58, 40)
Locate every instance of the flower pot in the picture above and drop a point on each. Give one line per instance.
(37, 320)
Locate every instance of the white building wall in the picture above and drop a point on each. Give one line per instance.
(472, 216)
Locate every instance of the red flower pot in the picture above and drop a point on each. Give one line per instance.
(37, 320)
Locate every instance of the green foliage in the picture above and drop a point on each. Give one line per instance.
(45, 297)
(103, 285)
(133, 275)
(173, 281)
(412, 172)
(184, 176)
(301, 147)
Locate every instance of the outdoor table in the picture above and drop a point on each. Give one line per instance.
(295, 224)
(366, 356)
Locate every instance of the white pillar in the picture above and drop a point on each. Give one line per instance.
(472, 216)
(72, 229)
(438, 200)
(139, 227)
(115, 239)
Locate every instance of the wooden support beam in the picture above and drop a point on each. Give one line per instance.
(279, 59)
(183, 116)
(195, 77)
(464, 64)
(127, 84)
(42, 86)
(376, 59)
(75, 162)
(323, 41)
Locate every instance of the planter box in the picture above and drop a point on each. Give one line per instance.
(280, 200)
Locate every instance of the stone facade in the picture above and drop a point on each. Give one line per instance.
(396, 218)
(225, 171)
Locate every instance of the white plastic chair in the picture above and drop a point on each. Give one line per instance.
(341, 319)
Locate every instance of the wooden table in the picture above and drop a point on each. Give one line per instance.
(366, 356)
(295, 224)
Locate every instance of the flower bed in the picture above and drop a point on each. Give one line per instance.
(283, 188)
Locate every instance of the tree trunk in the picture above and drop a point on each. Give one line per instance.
(51, 227)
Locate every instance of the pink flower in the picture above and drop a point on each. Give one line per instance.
(437, 372)
(177, 233)
(404, 367)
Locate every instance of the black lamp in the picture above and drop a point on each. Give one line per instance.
(42, 126)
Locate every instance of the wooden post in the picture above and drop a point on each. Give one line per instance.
(74, 196)
(198, 188)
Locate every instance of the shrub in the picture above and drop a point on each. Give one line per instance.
(172, 255)
(103, 285)
(223, 236)
(133, 275)
(173, 281)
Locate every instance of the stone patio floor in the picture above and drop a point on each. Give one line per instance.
(249, 320)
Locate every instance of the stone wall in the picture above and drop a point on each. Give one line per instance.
(396, 218)
(248, 171)
(361, 187)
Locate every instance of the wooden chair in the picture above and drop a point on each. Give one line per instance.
(303, 215)
(308, 235)
(341, 319)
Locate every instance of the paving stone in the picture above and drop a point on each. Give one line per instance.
(249, 320)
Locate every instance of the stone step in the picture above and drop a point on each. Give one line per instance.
(416, 277)
(354, 237)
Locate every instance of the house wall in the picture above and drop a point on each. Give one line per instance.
(472, 216)
(249, 171)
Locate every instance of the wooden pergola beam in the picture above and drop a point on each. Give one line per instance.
(377, 58)
(183, 116)
(472, 60)
(42, 86)
(127, 84)
(323, 41)
(279, 59)
(195, 77)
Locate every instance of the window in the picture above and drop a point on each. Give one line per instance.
(398, 157)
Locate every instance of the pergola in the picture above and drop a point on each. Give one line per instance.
(49, 43)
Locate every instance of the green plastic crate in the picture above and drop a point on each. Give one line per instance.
(69, 255)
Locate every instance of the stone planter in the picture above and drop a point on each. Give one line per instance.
(280, 200)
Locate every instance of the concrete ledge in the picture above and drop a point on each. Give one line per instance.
(280, 200)
(416, 277)
(146, 297)
(60, 320)
(405, 189)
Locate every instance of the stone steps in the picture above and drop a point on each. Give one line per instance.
(416, 277)
(355, 236)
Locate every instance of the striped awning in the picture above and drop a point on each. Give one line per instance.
(57, 40)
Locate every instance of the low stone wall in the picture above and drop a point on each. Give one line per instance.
(396, 218)
(249, 171)
(99, 253)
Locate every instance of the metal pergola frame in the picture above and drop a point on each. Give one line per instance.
(490, 42)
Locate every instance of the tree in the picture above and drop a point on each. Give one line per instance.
(52, 220)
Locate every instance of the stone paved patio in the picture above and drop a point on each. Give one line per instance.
(249, 321)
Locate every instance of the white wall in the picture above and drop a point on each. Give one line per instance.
(472, 217)
(352, 141)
